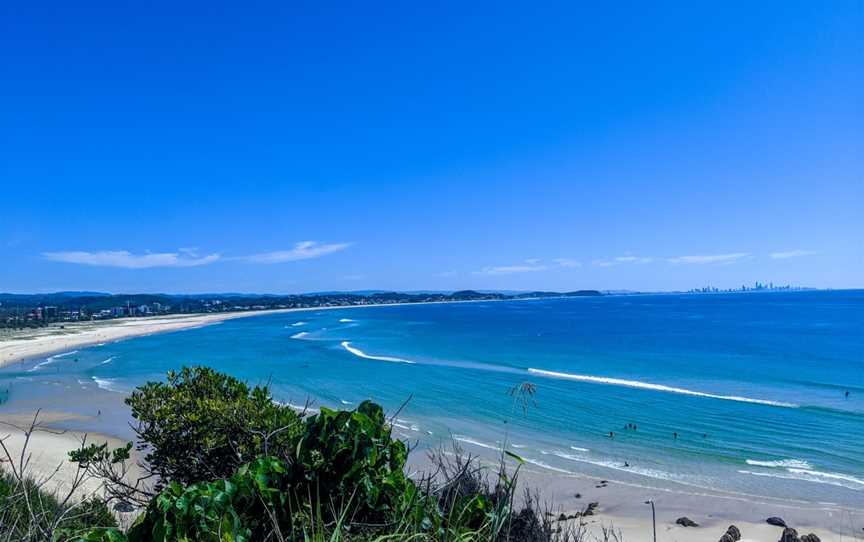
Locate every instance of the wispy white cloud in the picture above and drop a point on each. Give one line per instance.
(530, 265)
(567, 262)
(510, 269)
(127, 260)
(791, 254)
(304, 250)
(621, 260)
(710, 258)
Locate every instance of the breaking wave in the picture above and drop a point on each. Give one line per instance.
(469, 440)
(51, 359)
(361, 354)
(788, 463)
(655, 387)
(809, 475)
(107, 384)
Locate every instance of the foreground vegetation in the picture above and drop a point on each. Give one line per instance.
(224, 462)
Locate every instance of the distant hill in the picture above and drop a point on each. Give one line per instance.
(17, 310)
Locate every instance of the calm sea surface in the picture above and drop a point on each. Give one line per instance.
(740, 393)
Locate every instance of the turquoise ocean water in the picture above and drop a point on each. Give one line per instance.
(737, 393)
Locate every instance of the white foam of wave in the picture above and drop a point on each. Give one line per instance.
(50, 359)
(406, 425)
(298, 408)
(808, 475)
(787, 463)
(656, 387)
(829, 476)
(344, 402)
(545, 465)
(298, 324)
(345, 320)
(63, 355)
(107, 384)
(300, 335)
(359, 353)
(619, 466)
(469, 440)
(107, 361)
(39, 365)
(518, 445)
(578, 449)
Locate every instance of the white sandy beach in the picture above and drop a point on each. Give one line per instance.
(26, 344)
(30, 343)
(46, 456)
(623, 506)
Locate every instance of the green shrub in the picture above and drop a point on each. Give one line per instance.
(203, 425)
(345, 464)
(351, 453)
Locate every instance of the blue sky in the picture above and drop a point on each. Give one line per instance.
(288, 147)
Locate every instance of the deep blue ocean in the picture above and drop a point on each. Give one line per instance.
(742, 393)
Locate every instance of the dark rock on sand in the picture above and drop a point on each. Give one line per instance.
(789, 535)
(777, 522)
(810, 538)
(592, 506)
(686, 522)
(732, 534)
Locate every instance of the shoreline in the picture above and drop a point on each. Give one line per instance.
(54, 339)
(624, 507)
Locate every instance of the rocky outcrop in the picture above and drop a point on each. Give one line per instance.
(789, 535)
(810, 538)
(777, 522)
(686, 522)
(732, 534)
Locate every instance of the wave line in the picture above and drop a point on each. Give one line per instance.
(361, 354)
(656, 387)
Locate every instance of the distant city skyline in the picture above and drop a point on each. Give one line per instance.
(284, 149)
